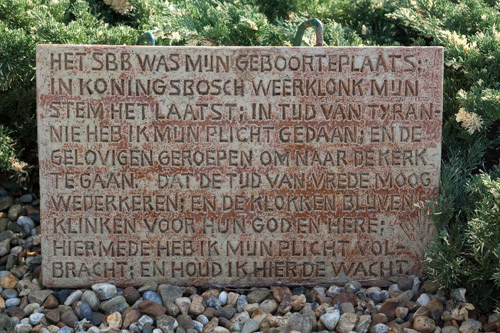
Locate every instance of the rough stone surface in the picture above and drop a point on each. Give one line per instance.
(249, 127)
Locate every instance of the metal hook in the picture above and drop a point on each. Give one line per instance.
(146, 38)
(312, 23)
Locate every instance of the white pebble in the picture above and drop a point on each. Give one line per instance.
(423, 299)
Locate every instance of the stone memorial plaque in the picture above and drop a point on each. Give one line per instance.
(236, 165)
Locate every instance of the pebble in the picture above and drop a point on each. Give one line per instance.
(470, 326)
(459, 294)
(83, 310)
(152, 296)
(69, 318)
(12, 302)
(352, 287)
(114, 320)
(223, 298)
(169, 293)
(250, 326)
(145, 319)
(424, 324)
(26, 223)
(380, 328)
(92, 300)
(73, 297)
(269, 306)
(330, 319)
(36, 318)
(346, 322)
(131, 295)
(104, 290)
(9, 293)
(241, 302)
(423, 299)
(116, 304)
(449, 329)
(202, 319)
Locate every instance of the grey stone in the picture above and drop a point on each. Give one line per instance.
(380, 328)
(363, 324)
(330, 319)
(145, 319)
(223, 297)
(32, 307)
(91, 298)
(250, 326)
(39, 296)
(470, 326)
(15, 211)
(152, 296)
(26, 198)
(459, 294)
(65, 329)
(5, 202)
(172, 309)
(169, 293)
(375, 294)
(227, 312)
(69, 318)
(4, 246)
(185, 321)
(104, 290)
(352, 287)
(241, 302)
(166, 323)
(449, 329)
(83, 310)
(36, 318)
(202, 319)
(26, 223)
(9, 293)
(12, 302)
(213, 302)
(198, 326)
(298, 322)
(4, 222)
(258, 296)
(73, 297)
(405, 283)
(334, 290)
(423, 299)
(22, 328)
(116, 304)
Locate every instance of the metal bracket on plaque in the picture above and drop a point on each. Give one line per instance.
(148, 38)
(312, 23)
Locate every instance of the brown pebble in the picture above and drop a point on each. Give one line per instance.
(53, 316)
(151, 308)
(323, 299)
(131, 295)
(424, 324)
(210, 292)
(379, 318)
(344, 298)
(389, 307)
(209, 313)
(435, 309)
(130, 317)
(50, 302)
